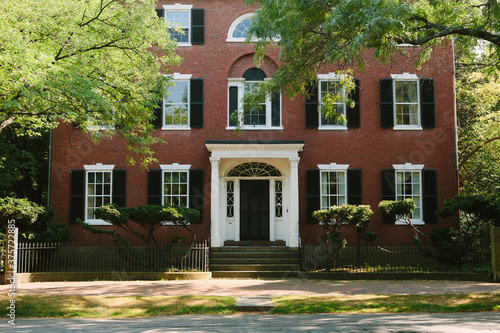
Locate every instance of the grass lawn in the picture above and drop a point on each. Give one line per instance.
(62, 306)
(387, 303)
(52, 306)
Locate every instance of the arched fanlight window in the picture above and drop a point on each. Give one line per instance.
(254, 169)
(239, 29)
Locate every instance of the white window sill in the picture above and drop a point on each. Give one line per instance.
(173, 223)
(184, 44)
(101, 128)
(260, 128)
(167, 128)
(97, 222)
(332, 128)
(407, 128)
(236, 41)
(414, 222)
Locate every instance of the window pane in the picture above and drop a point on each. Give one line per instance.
(183, 176)
(175, 189)
(168, 177)
(241, 29)
(175, 177)
(178, 93)
(183, 188)
(98, 178)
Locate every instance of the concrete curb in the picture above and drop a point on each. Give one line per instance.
(253, 303)
(110, 276)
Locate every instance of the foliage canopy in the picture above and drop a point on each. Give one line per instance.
(86, 62)
(316, 33)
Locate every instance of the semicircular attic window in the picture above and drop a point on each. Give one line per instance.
(239, 29)
(254, 169)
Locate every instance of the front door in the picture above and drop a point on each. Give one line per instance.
(254, 210)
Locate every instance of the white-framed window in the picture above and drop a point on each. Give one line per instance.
(239, 28)
(409, 186)
(98, 190)
(176, 105)
(230, 198)
(179, 17)
(278, 198)
(331, 84)
(406, 99)
(333, 178)
(175, 179)
(267, 115)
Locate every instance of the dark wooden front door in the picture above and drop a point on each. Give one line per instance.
(254, 212)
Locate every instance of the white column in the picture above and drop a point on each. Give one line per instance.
(272, 208)
(214, 204)
(294, 202)
(237, 210)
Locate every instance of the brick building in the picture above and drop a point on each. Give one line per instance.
(263, 182)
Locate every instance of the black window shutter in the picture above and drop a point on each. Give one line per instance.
(388, 190)
(313, 194)
(158, 115)
(196, 103)
(197, 26)
(155, 184)
(276, 110)
(233, 104)
(160, 13)
(312, 101)
(119, 188)
(353, 114)
(77, 201)
(196, 195)
(386, 104)
(429, 189)
(354, 187)
(427, 112)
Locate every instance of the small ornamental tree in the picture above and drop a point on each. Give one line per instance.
(146, 221)
(24, 212)
(401, 211)
(337, 219)
(478, 213)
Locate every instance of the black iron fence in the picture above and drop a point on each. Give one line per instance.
(53, 257)
(397, 258)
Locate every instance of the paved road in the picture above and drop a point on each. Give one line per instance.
(252, 287)
(320, 323)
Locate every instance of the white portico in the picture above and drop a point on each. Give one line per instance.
(254, 191)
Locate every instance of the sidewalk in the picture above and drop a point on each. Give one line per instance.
(252, 287)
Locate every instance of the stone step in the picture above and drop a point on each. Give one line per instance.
(253, 260)
(256, 274)
(253, 249)
(254, 255)
(254, 267)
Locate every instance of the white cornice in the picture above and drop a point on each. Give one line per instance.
(297, 147)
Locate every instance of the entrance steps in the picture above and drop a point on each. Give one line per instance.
(254, 262)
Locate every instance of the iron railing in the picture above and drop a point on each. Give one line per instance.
(397, 258)
(54, 257)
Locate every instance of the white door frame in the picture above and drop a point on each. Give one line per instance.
(231, 154)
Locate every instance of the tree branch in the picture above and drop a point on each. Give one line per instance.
(475, 150)
(434, 30)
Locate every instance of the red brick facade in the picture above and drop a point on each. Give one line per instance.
(369, 148)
